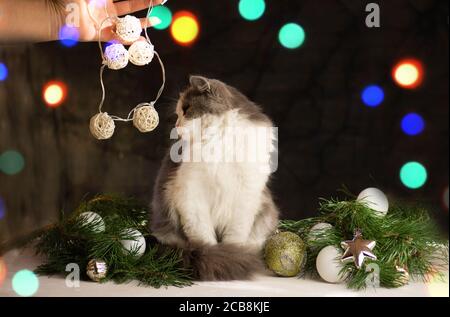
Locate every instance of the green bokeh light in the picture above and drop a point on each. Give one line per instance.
(292, 36)
(413, 175)
(164, 14)
(252, 9)
(11, 162)
(25, 283)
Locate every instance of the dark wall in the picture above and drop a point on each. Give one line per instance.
(327, 137)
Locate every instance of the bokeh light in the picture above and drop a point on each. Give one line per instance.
(3, 72)
(252, 9)
(413, 175)
(185, 28)
(3, 271)
(54, 93)
(408, 73)
(68, 36)
(372, 95)
(291, 36)
(25, 283)
(413, 124)
(164, 14)
(2, 208)
(437, 286)
(445, 198)
(11, 162)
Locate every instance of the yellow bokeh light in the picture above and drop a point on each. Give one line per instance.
(54, 93)
(408, 74)
(185, 28)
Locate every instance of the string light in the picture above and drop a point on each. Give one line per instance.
(11, 162)
(3, 72)
(25, 283)
(185, 28)
(252, 10)
(408, 73)
(68, 36)
(372, 95)
(413, 124)
(54, 93)
(164, 14)
(291, 36)
(413, 175)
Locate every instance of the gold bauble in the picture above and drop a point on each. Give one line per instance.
(97, 270)
(285, 254)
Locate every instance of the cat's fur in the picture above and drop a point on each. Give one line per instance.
(220, 213)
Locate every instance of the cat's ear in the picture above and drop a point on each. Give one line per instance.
(200, 83)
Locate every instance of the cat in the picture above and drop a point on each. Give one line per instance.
(219, 213)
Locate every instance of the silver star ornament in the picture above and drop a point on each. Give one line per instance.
(358, 249)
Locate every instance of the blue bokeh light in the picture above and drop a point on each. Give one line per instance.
(372, 96)
(413, 124)
(2, 209)
(25, 283)
(3, 72)
(68, 36)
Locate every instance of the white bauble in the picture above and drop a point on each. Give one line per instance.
(317, 230)
(137, 244)
(328, 264)
(92, 217)
(116, 56)
(141, 53)
(375, 199)
(128, 28)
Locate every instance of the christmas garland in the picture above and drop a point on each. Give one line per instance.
(108, 238)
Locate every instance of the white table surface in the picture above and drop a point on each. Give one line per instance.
(261, 286)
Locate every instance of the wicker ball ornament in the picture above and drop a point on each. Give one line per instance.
(146, 119)
(141, 53)
(116, 56)
(128, 28)
(102, 126)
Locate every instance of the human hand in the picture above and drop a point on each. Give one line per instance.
(41, 20)
(92, 15)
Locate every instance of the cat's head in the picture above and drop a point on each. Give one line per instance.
(203, 97)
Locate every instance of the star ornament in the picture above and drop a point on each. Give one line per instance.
(358, 250)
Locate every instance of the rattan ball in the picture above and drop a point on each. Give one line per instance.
(141, 53)
(102, 126)
(116, 56)
(146, 119)
(128, 28)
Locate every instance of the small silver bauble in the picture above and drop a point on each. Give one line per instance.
(97, 270)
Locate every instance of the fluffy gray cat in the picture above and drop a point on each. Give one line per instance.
(219, 212)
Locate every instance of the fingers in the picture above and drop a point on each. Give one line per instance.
(107, 34)
(130, 6)
(151, 21)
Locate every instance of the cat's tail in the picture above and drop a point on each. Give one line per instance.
(223, 262)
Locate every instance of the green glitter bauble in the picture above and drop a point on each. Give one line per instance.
(285, 254)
